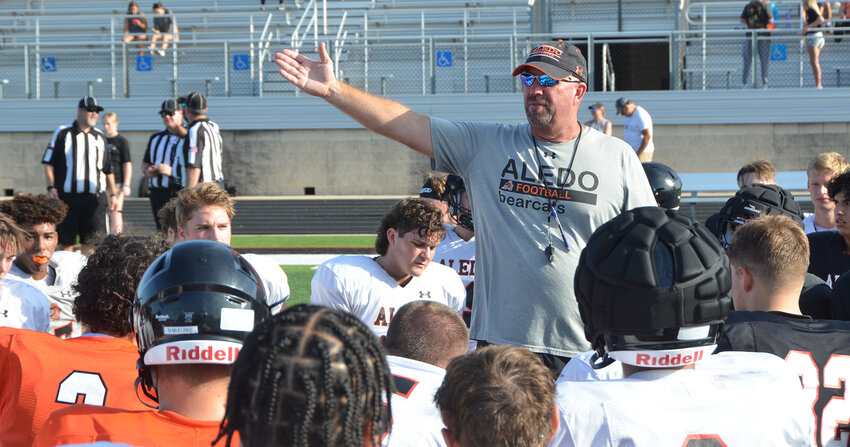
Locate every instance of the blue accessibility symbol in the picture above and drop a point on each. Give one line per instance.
(444, 58)
(778, 52)
(144, 63)
(241, 61)
(48, 64)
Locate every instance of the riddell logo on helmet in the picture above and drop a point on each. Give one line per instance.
(176, 354)
(667, 360)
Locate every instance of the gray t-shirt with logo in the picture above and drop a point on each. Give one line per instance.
(521, 298)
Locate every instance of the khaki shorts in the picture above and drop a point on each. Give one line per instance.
(815, 39)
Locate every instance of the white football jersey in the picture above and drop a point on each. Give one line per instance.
(64, 266)
(732, 398)
(416, 418)
(23, 306)
(273, 278)
(459, 254)
(357, 284)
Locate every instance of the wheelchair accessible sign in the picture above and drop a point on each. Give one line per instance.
(778, 52)
(444, 58)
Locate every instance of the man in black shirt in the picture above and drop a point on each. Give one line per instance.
(78, 168)
(829, 249)
(768, 259)
(122, 169)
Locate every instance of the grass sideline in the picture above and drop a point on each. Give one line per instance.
(312, 241)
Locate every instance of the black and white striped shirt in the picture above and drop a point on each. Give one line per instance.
(80, 160)
(163, 147)
(202, 149)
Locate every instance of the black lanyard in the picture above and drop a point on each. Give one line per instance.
(553, 212)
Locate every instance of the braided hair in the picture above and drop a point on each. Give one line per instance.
(309, 376)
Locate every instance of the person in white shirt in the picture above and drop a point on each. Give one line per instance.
(22, 306)
(820, 172)
(40, 265)
(204, 212)
(373, 288)
(637, 131)
(421, 340)
(653, 288)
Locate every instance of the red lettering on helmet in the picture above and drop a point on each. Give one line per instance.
(172, 353)
(642, 359)
(220, 355)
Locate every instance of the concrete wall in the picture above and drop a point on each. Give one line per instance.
(356, 161)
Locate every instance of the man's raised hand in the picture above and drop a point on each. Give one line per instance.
(313, 77)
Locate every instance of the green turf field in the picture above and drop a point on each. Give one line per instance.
(299, 277)
(355, 240)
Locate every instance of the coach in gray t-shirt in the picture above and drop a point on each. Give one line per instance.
(540, 190)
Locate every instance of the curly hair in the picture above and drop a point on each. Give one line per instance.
(408, 215)
(839, 184)
(309, 376)
(498, 395)
(192, 199)
(107, 284)
(33, 210)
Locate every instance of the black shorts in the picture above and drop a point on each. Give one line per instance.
(86, 217)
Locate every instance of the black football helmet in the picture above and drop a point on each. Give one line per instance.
(461, 214)
(665, 184)
(652, 279)
(752, 202)
(195, 304)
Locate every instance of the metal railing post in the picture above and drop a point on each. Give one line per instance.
(465, 51)
(673, 51)
(112, 55)
(226, 68)
(433, 66)
(512, 58)
(174, 88)
(208, 85)
(125, 70)
(591, 58)
(27, 81)
(753, 53)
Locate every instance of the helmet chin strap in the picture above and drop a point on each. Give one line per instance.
(140, 384)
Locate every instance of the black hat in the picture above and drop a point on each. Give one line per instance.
(90, 104)
(621, 102)
(557, 59)
(195, 102)
(427, 191)
(595, 106)
(168, 106)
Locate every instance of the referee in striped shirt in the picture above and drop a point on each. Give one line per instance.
(159, 161)
(79, 171)
(201, 154)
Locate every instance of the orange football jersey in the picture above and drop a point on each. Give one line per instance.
(40, 373)
(82, 424)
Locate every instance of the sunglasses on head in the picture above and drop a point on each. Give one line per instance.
(543, 80)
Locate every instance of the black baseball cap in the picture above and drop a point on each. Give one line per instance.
(168, 106)
(557, 59)
(621, 102)
(595, 106)
(427, 191)
(90, 104)
(195, 102)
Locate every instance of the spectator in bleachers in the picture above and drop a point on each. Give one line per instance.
(164, 29)
(822, 169)
(637, 130)
(757, 15)
(22, 306)
(768, 257)
(843, 20)
(829, 250)
(122, 169)
(814, 37)
(422, 339)
(756, 172)
(214, 297)
(310, 376)
(599, 122)
(498, 396)
(40, 264)
(42, 373)
(135, 25)
(537, 219)
(205, 212)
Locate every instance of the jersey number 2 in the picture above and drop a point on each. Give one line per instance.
(89, 385)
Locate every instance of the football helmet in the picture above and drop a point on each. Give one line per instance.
(665, 183)
(653, 288)
(461, 214)
(752, 202)
(195, 304)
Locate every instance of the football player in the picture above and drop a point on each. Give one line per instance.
(194, 307)
(42, 373)
(21, 305)
(769, 257)
(53, 272)
(828, 258)
(653, 290)
(372, 288)
(665, 183)
(421, 340)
